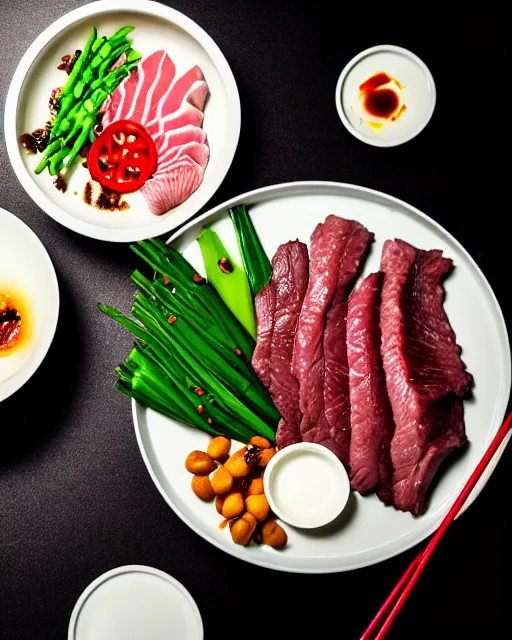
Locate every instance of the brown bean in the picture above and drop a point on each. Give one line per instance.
(274, 535)
(265, 455)
(218, 449)
(222, 481)
(255, 488)
(233, 505)
(199, 463)
(236, 464)
(242, 529)
(202, 487)
(219, 502)
(258, 441)
(258, 506)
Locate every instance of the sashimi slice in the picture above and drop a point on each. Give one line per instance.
(169, 189)
(198, 152)
(186, 116)
(166, 73)
(172, 100)
(134, 97)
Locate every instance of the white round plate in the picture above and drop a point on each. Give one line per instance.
(156, 27)
(26, 270)
(418, 95)
(134, 602)
(367, 532)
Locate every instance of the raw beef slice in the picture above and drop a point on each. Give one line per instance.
(372, 424)
(264, 304)
(329, 245)
(425, 376)
(336, 383)
(289, 279)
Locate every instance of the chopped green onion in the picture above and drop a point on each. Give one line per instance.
(188, 340)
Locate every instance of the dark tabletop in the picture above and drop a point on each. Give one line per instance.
(75, 497)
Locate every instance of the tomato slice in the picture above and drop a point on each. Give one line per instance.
(123, 157)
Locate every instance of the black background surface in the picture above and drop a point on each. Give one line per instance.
(75, 497)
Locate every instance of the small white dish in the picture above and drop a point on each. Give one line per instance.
(134, 602)
(27, 274)
(26, 108)
(306, 485)
(415, 88)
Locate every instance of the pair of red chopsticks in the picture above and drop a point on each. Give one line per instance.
(380, 625)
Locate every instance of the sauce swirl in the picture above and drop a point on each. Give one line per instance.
(381, 98)
(13, 326)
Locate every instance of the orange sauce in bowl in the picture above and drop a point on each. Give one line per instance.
(15, 322)
(381, 97)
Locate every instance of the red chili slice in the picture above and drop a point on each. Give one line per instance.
(123, 157)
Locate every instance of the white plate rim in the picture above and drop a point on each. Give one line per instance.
(132, 568)
(499, 413)
(33, 364)
(167, 222)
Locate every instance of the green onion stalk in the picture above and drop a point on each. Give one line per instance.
(191, 359)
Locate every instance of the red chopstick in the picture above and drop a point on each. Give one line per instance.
(380, 625)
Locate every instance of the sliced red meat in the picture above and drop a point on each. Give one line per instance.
(328, 245)
(289, 279)
(425, 375)
(371, 419)
(171, 111)
(336, 384)
(287, 434)
(264, 304)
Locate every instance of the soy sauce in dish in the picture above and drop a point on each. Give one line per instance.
(380, 98)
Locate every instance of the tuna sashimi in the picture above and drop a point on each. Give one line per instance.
(328, 244)
(371, 420)
(137, 97)
(168, 189)
(336, 383)
(290, 280)
(264, 304)
(425, 376)
(171, 109)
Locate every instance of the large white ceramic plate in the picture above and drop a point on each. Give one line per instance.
(26, 270)
(367, 532)
(156, 27)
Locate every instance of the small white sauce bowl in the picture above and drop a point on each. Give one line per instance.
(418, 94)
(306, 485)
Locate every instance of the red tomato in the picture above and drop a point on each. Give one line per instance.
(123, 157)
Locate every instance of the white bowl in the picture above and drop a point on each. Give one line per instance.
(306, 485)
(156, 27)
(133, 602)
(26, 269)
(418, 94)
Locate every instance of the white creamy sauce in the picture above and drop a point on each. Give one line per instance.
(306, 487)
